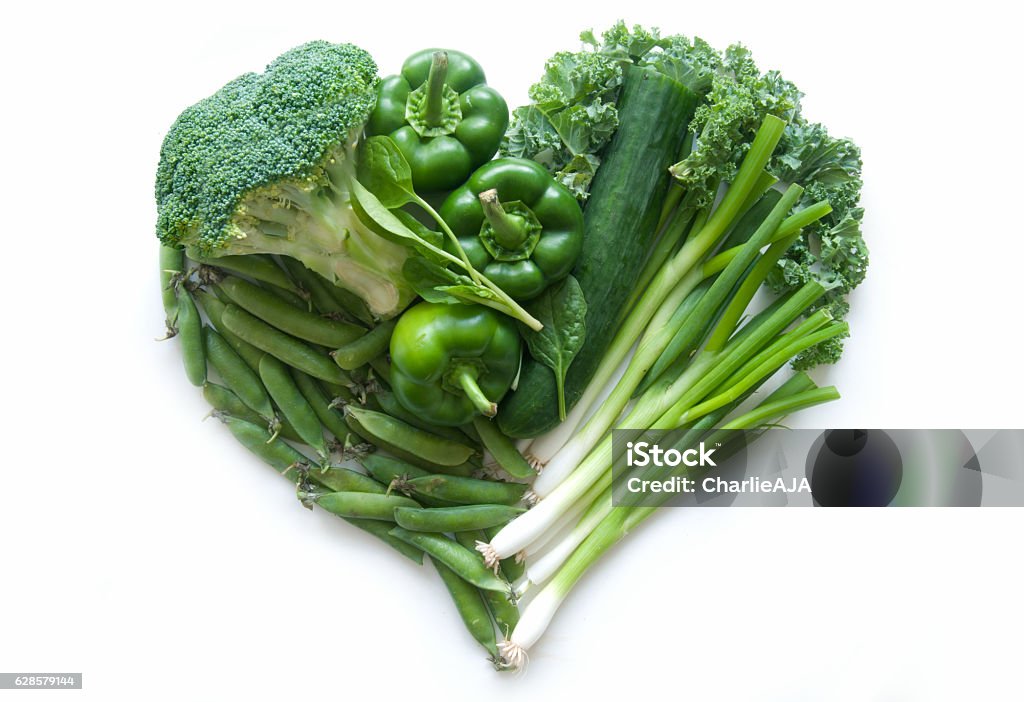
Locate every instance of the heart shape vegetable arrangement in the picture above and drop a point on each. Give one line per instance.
(378, 306)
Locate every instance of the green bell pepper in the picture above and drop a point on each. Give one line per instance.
(451, 362)
(518, 226)
(445, 120)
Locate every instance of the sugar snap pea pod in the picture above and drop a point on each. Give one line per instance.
(190, 331)
(471, 607)
(240, 378)
(281, 346)
(297, 301)
(381, 370)
(511, 568)
(504, 611)
(172, 264)
(502, 448)
(347, 480)
(389, 404)
(453, 519)
(470, 431)
(408, 456)
(293, 405)
(278, 313)
(466, 564)
(360, 351)
(313, 285)
(393, 473)
(255, 266)
(467, 491)
(380, 530)
(285, 460)
(279, 455)
(330, 418)
(363, 505)
(351, 303)
(394, 433)
(214, 308)
(385, 469)
(223, 400)
(328, 297)
(334, 391)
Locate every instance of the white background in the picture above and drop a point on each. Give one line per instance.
(144, 548)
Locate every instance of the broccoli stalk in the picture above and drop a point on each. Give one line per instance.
(265, 165)
(312, 220)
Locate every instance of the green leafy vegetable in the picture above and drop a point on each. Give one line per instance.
(562, 310)
(573, 114)
(436, 283)
(384, 171)
(384, 168)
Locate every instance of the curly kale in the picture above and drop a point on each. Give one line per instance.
(726, 122)
(832, 250)
(572, 115)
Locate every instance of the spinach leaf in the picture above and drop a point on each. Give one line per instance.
(435, 283)
(384, 171)
(389, 225)
(562, 309)
(426, 277)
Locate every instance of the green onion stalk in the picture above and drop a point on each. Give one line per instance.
(703, 236)
(604, 525)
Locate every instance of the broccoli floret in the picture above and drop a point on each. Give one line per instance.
(265, 164)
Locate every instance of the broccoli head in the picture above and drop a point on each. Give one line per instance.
(265, 164)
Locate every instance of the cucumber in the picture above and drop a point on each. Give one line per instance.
(620, 226)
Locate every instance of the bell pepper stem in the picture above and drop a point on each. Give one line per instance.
(508, 230)
(466, 379)
(435, 88)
